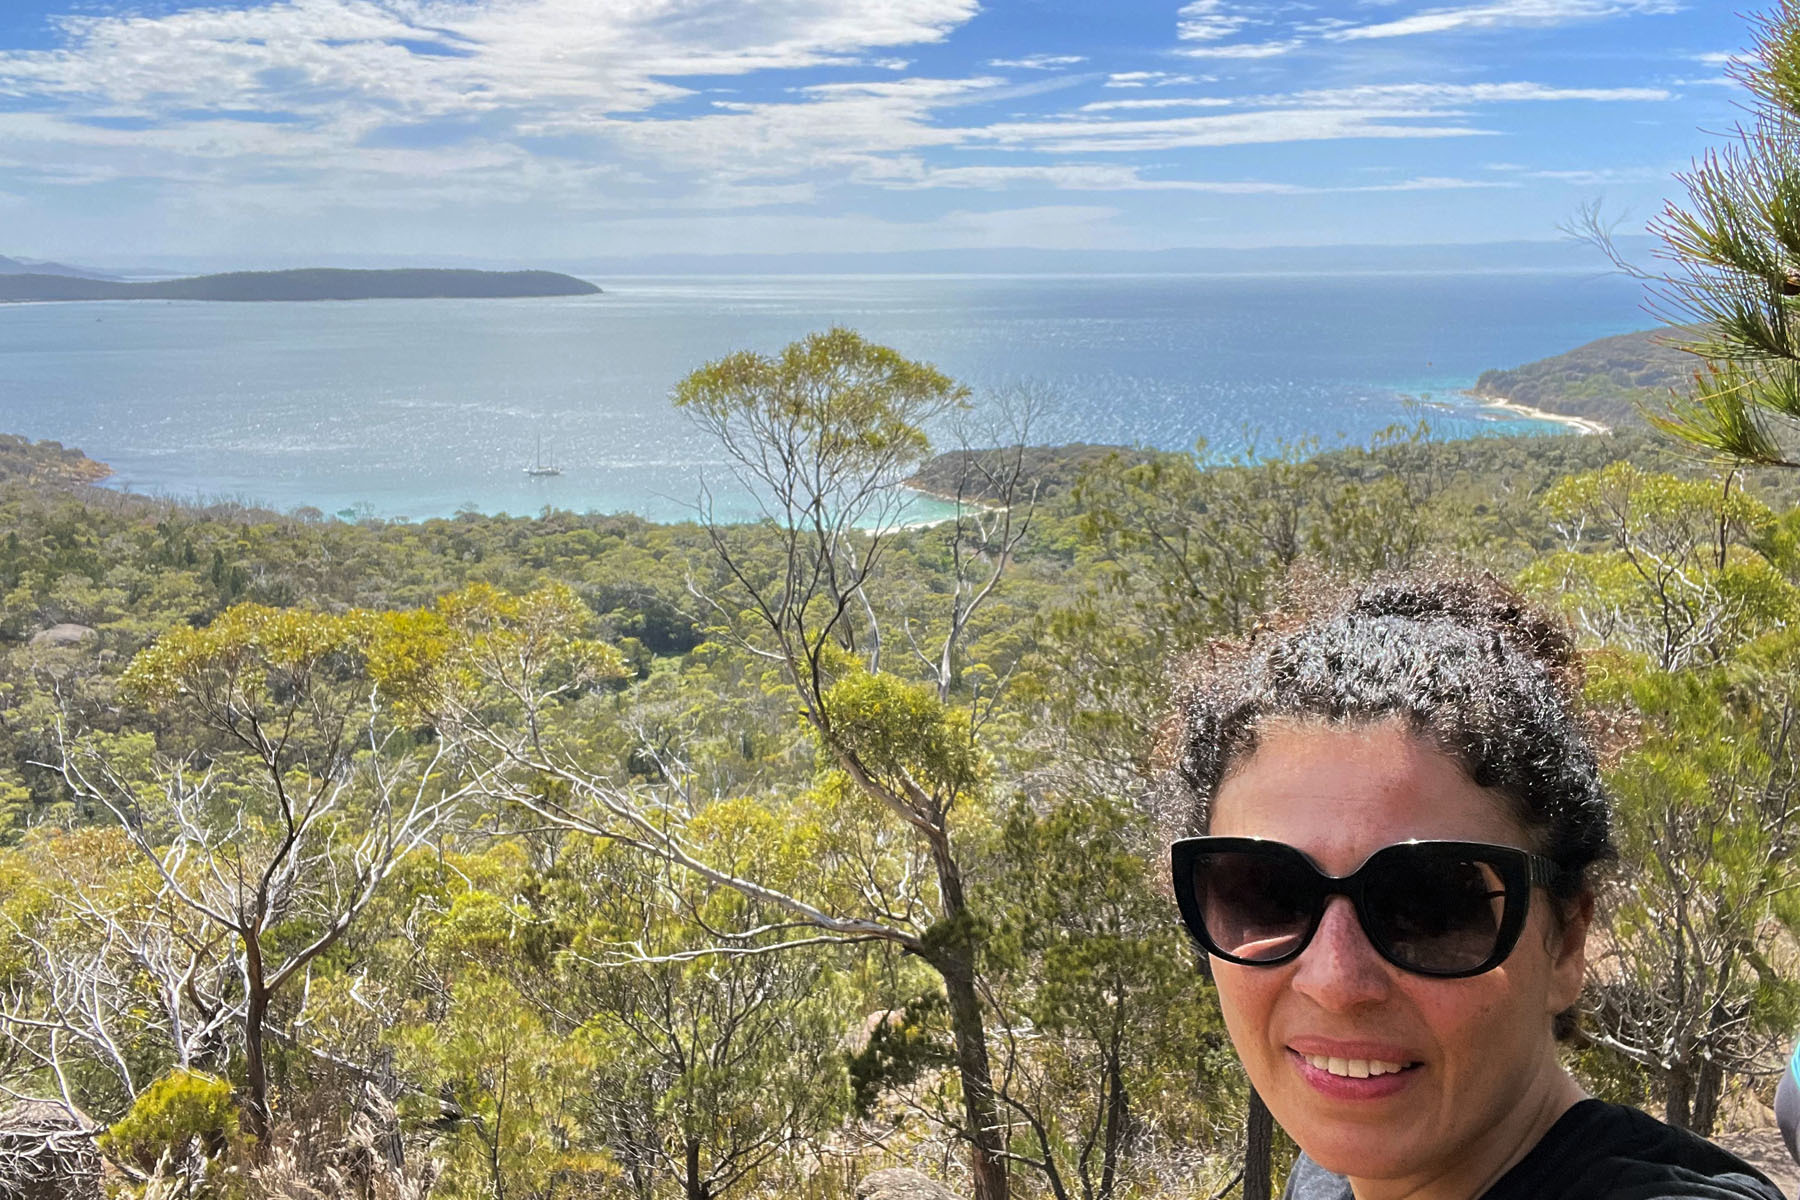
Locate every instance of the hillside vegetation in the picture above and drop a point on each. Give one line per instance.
(579, 856)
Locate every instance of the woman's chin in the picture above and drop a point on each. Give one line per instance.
(1356, 1159)
(1359, 1140)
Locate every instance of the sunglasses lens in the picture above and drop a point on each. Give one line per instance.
(1432, 913)
(1257, 907)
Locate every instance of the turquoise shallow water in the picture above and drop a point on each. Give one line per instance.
(417, 408)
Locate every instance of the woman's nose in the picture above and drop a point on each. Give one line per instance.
(1340, 970)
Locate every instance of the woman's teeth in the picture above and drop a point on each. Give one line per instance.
(1354, 1068)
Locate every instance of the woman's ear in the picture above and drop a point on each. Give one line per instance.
(1568, 951)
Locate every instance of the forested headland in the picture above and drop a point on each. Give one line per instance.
(579, 856)
(1610, 380)
(25, 461)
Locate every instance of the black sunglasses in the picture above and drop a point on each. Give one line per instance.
(1445, 909)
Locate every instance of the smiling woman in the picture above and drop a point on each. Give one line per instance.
(1389, 819)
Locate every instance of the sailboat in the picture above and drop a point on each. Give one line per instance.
(538, 466)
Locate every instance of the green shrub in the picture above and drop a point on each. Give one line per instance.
(171, 1116)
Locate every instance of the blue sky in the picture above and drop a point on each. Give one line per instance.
(560, 130)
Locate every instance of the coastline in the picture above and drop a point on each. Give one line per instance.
(1582, 425)
(944, 498)
(932, 522)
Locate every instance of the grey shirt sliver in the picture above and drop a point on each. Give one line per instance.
(1595, 1151)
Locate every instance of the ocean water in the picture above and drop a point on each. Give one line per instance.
(418, 408)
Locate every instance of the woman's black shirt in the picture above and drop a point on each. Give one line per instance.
(1596, 1151)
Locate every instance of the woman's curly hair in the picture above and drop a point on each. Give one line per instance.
(1462, 659)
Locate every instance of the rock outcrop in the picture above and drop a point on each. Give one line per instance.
(901, 1183)
(66, 634)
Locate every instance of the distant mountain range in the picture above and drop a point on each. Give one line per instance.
(312, 284)
(33, 266)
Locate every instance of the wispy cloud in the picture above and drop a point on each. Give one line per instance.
(1159, 102)
(1391, 97)
(1038, 62)
(1243, 49)
(438, 56)
(504, 97)
(1202, 27)
(1504, 14)
(1138, 79)
(1088, 177)
(1234, 129)
(1208, 21)
(1599, 176)
(1379, 96)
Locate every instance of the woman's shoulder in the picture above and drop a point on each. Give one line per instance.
(1609, 1150)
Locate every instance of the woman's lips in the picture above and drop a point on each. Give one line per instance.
(1381, 1078)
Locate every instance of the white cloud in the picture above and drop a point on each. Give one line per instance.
(1389, 97)
(1038, 62)
(1505, 13)
(1429, 183)
(1208, 21)
(323, 58)
(378, 102)
(1591, 178)
(1243, 49)
(1236, 129)
(1080, 177)
(1159, 102)
(1138, 79)
(1380, 96)
(1076, 177)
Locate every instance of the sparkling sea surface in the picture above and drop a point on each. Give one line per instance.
(418, 408)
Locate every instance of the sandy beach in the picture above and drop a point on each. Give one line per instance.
(1579, 424)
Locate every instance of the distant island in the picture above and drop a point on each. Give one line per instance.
(1606, 381)
(308, 284)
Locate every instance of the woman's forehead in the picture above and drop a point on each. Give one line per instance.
(1342, 791)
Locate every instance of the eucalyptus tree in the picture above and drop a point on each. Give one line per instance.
(293, 786)
(1696, 655)
(823, 434)
(716, 1072)
(1689, 985)
(1662, 565)
(1110, 1047)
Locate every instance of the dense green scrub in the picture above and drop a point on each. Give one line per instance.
(518, 851)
